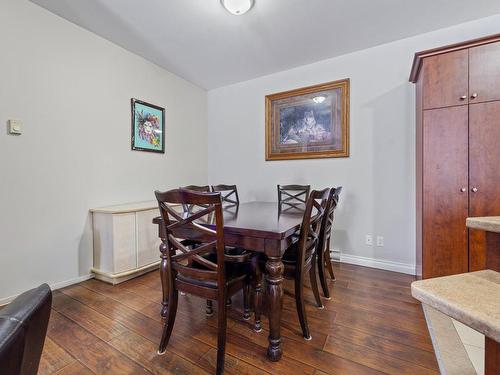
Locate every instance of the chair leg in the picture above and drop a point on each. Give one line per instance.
(169, 324)
(221, 334)
(246, 300)
(328, 261)
(301, 310)
(321, 274)
(209, 311)
(314, 283)
(257, 297)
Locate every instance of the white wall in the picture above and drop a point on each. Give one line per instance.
(379, 176)
(72, 91)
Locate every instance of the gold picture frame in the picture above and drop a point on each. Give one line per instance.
(308, 123)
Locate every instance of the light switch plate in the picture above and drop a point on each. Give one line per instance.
(15, 127)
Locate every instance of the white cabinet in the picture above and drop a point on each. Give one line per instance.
(126, 242)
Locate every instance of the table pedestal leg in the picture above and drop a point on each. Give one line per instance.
(274, 277)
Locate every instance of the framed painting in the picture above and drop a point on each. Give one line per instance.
(148, 127)
(307, 123)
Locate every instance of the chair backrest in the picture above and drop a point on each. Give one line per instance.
(23, 326)
(326, 229)
(311, 226)
(293, 196)
(229, 193)
(199, 188)
(176, 225)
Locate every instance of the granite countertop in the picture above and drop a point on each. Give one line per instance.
(471, 298)
(487, 223)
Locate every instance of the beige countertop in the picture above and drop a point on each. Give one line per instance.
(129, 207)
(471, 298)
(487, 223)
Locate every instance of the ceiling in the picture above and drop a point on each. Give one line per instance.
(201, 42)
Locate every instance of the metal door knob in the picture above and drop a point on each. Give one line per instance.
(463, 190)
(474, 95)
(463, 97)
(474, 189)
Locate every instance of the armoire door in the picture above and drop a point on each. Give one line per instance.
(484, 73)
(484, 173)
(445, 193)
(445, 80)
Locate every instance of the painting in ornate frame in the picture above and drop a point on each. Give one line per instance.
(148, 127)
(308, 123)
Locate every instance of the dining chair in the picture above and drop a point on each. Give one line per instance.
(324, 258)
(292, 196)
(199, 271)
(229, 193)
(300, 258)
(198, 188)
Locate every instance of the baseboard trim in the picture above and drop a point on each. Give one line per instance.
(53, 286)
(375, 263)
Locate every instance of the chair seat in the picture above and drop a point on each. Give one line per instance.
(235, 273)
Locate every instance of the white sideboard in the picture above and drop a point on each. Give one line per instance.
(126, 242)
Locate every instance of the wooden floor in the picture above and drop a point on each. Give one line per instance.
(370, 326)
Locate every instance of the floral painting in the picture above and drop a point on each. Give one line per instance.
(148, 127)
(311, 122)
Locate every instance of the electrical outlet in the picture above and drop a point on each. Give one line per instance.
(380, 241)
(369, 240)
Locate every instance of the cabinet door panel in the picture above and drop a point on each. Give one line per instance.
(484, 73)
(445, 206)
(484, 174)
(148, 243)
(445, 80)
(124, 253)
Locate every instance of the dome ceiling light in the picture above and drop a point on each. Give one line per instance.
(237, 7)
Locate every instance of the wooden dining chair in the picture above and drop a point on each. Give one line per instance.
(292, 197)
(324, 259)
(229, 193)
(300, 258)
(199, 271)
(198, 188)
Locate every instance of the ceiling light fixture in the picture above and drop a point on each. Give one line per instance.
(237, 7)
(319, 99)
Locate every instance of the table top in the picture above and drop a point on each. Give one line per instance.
(259, 219)
(487, 223)
(471, 298)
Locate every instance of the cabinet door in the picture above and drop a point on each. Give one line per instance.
(484, 73)
(445, 80)
(484, 173)
(445, 200)
(124, 252)
(148, 243)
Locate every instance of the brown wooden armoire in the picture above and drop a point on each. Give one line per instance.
(457, 151)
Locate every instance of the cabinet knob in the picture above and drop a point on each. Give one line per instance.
(463, 190)
(463, 97)
(474, 95)
(474, 189)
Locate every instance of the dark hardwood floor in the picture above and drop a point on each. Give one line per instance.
(372, 325)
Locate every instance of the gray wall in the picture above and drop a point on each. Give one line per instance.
(379, 176)
(72, 91)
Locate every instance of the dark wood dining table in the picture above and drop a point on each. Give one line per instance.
(260, 227)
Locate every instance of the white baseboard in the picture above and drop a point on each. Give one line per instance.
(374, 263)
(54, 286)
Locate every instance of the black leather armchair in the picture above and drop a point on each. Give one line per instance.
(23, 326)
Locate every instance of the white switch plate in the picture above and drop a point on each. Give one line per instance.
(15, 127)
(369, 239)
(380, 241)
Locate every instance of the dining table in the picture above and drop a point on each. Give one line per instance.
(260, 227)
